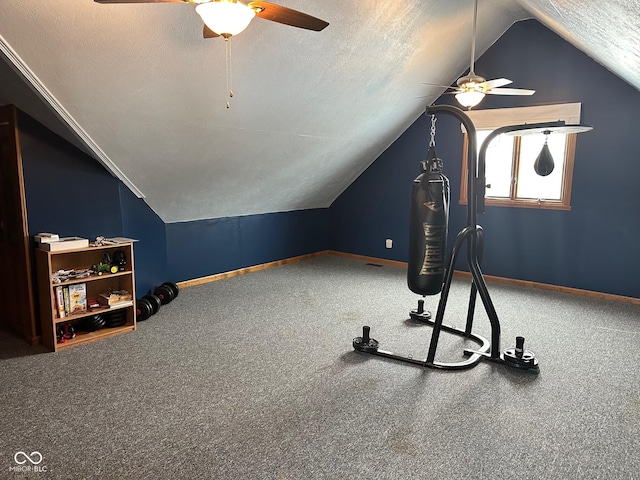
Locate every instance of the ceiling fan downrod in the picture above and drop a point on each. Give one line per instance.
(473, 38)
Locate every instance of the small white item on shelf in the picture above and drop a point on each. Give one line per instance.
(44, 237)
(65, 243)
(118, 240)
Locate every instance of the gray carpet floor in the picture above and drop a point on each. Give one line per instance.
(254, 377)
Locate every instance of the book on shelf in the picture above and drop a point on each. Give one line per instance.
(66, 299)
(60, 302)
(77, 298)
(65, 243)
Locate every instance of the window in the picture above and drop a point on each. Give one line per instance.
(510, 175)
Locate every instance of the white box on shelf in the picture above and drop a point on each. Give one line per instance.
(46, 237)
(65, 243)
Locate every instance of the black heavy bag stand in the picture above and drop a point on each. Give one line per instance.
(473, 235)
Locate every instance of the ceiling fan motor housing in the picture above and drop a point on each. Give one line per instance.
(470, 81)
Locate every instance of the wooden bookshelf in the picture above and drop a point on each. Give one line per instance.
(47, 263)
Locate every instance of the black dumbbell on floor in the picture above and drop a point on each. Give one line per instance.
(143, 309)
(154, 301)
(166, 292)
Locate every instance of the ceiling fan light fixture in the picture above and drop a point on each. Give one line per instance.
(225, 17)
(469, 98)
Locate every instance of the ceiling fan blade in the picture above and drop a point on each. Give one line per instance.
(287, 16)
(438, 85)
(208, 33)
(498, 82)
(140, 1)
(510, 91)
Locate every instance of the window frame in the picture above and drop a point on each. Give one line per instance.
(491, 119)
(564, 203)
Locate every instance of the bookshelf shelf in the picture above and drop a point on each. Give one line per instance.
(49, 262)
(90, 278)
(93, 311)
(87, 337)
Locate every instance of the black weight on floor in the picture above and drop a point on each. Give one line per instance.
(143, 309)
(164, 293)
(173, 288)
(155, 303)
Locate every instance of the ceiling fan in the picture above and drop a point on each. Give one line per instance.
(230, 17)
(472, 88)
(225, 18)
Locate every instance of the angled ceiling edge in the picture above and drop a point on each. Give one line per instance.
(65, 117)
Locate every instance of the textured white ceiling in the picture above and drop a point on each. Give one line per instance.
(146, 94)
(608, 31)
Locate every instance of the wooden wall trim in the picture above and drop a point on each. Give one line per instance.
(380, 261)
(242, 271)
(554, 288)
(383, 261)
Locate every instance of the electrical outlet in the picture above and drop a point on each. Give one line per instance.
(389, 243)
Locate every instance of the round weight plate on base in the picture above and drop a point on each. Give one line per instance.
(525, 362)
(360, 344)
(424, 316)
(365, 343)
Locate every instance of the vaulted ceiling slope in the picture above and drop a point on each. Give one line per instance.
(137, 87)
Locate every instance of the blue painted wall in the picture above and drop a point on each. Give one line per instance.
(67, 191)
(70, 193)
(142, 223)
(207, 247)
(593, 246)
(376, 205)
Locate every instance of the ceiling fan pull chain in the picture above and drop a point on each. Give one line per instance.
(228, 68)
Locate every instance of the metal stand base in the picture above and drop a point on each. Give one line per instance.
(529, 365)
(517, 357)
(367, 344)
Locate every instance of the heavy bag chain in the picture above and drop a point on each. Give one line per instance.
(432, 142)
(432, 164)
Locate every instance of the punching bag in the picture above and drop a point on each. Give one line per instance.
(544, 163)
(428, 227)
